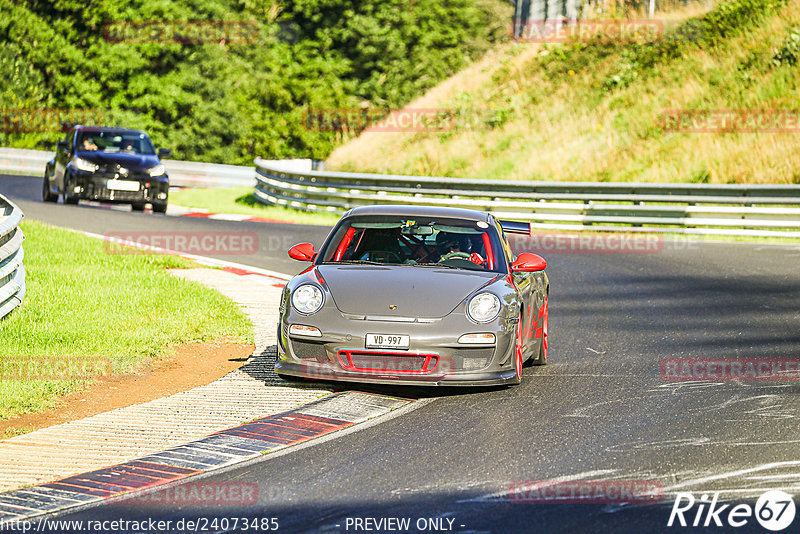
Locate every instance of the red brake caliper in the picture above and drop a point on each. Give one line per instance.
(518, 348)
(544, 329)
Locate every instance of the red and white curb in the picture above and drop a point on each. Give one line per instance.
(237, 217)
(182, 211)
(228, 447)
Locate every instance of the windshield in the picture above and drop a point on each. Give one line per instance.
(130, 143)
(454, 243)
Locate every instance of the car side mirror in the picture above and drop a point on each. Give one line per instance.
(62, 145)
(302, 252)
(164, 153)
(529, 263)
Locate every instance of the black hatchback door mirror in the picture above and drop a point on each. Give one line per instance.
(62, 145)
(164, 153)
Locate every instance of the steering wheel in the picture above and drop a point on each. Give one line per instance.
(455, 255)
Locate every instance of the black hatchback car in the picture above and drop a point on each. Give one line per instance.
(117, 165)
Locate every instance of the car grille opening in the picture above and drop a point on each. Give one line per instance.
(473, 359)
(388, 362)
(98, 191)
(307, 351)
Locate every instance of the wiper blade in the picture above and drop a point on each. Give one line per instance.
(355, 262)
(434, 265)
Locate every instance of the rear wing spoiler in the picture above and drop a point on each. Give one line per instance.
(516, 227)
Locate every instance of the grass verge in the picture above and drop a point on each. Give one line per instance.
(240, 200)
(88, 313)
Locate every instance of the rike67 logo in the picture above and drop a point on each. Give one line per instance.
(774, 510)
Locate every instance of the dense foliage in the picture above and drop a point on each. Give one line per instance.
(229, 100)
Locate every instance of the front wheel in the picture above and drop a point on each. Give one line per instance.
(541, 333)
(47, 194)
(159, 207)
(67, 198)
(518, 346)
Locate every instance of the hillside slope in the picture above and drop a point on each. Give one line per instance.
(599, 111)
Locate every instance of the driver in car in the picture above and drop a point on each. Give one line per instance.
(89, 144)
(453, 246)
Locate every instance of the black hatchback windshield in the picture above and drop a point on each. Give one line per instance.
(455, 243)
(126, 142)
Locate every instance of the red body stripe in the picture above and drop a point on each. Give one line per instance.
(487, 245)
(348, 237)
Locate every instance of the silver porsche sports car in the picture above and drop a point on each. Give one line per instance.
(415, 295)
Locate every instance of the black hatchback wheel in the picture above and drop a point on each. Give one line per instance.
(47, 194)
(67, 198)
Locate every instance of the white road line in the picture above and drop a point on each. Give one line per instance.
(731, 474)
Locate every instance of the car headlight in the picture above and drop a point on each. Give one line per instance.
(307, 299)
(83, 165)
(158, 170)
(483, 307)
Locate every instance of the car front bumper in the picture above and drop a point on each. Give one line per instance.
(94, 186)
(434, 356)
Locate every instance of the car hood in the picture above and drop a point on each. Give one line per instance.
(134, 162)
(414, 291)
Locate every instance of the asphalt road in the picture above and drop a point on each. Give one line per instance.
(600, 411)
(273, 241)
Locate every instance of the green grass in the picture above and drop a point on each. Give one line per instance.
(87, 312)
(240, 200)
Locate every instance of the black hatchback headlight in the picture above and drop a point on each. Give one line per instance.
(83, 165)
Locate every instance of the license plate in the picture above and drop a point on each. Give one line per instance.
(122, 185)
(388, 341)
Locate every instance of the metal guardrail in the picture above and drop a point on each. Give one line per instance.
(710, 209)
(12, 272)
(181, 173)
(25, 162)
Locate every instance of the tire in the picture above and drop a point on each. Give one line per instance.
(159, 207)
(137, 206)
(47, 194)
(541, 358)
(518, 351)
(68, 199)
